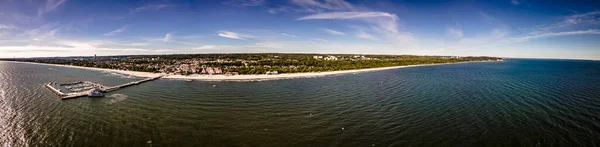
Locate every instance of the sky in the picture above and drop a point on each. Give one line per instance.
(566, 29)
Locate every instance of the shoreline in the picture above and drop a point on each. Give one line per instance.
(243, 77)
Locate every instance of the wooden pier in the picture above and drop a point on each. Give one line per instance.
(96, 86)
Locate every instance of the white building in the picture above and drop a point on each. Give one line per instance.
(331, 58)
(272, 72)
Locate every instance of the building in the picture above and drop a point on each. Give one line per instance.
(318, 57)
(272, 72)
(217, 70)
(210, 70)
(331, 58)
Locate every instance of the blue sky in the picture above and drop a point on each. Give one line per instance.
(505, 28)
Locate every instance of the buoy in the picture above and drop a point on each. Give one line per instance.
(342, 128)
(214, 85)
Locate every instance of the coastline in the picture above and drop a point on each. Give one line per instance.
(242, 77)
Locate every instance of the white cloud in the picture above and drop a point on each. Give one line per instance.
(278, 9)
(568, 21)
(289, 35)
(381, 22)
(154, 7)
(192, 37)
(515, 2)
(257, 45)
(348, 15)
(327, 5)
(334, 32)
(61, 47)
(117, 31)
(321, 40)
(210, 47)
(589, 17)
(454, 32)
(486, 17)
(245, 3)
(364, 35)
(554, 34)
(3, 26)
(49, 6)
(44, 32)
(138, 44)
(167, 37)
(233, 35)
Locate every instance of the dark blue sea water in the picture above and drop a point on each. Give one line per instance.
(518, 102)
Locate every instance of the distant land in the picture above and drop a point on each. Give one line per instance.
(247, 66)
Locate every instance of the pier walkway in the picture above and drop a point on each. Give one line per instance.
(95, 85)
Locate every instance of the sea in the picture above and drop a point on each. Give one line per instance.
(517, 102)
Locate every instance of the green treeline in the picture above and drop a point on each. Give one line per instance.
(252, 63)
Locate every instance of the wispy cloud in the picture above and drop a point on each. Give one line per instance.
(172, 38)
(167, 37)
(364, 35)
(454, 32)
(117, 31)
(193, 37)
(64, 47)
(515, 2)
(501, 36)
(3, 26)
(49, 6)
(257, 45)
(44, 32)
(233, 35)
(137, 44)
(334, 32)
(554, 34)
(381, 22)
(348, 15)
(486, 17)
(319, 40)
(589, 18)
(151, 7)
(278, 9)
(211, 47)
(245, 3)
(289, 35)
(324, 6)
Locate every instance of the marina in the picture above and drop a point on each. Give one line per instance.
(87, 88)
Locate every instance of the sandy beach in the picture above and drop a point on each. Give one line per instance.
(241, 77)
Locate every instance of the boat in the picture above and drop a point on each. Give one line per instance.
(96, 93)
(189, 80)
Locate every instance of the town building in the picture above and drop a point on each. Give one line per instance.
(330, 58)
(218, 70)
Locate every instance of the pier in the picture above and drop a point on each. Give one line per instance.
(88, 87)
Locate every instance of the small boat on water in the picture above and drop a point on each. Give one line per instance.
(96, 93)
(188, 80)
